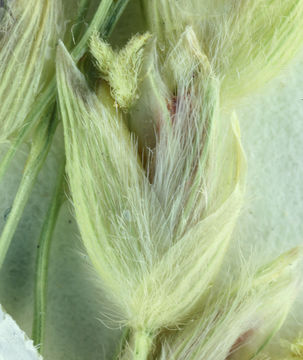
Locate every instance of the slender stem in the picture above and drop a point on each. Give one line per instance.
(39, 150)
(139, 346)
(106, 17)
(42, 260)
(143, 341)
(111, 21)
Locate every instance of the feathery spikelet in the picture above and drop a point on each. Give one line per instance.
(156, 235)
(247, 41)
(155, 239)
(27, 39)
(102, 159)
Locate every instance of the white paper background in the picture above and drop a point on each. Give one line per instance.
(14, 344)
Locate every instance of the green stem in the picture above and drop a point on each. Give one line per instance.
(42, 260)
(143, 341)
(116, 11)
(137, 347)
(42, 140)
(105, 19)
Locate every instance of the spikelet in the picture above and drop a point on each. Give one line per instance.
(27, 40)
(113, 210)
(238, 322)
(247, 41)
(156, 234)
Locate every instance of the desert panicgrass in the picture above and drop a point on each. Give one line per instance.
(155, 164)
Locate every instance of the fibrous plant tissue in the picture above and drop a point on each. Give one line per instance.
(150, 181)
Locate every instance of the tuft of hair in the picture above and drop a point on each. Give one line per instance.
(26, 45)
(120, 68)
